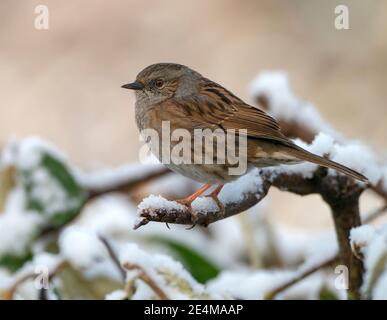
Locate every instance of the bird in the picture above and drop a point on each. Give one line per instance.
(181, 96)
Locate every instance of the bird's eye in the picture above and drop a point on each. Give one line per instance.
(159, 83)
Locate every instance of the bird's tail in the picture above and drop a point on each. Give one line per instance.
(304, 155)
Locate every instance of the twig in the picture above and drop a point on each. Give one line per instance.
(9, 294)
(123, 187)
(273, 293)
(376, 214)
(127, 186)
(113, 256)
(147, 279)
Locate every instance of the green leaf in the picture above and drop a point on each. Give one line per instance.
(200, 267)
(327, 294)
(14, 262)
(74, 195)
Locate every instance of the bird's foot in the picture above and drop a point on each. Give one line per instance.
(214, 196)
(187, 202)
(220, 205)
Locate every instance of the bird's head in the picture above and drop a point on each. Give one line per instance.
(162, 81)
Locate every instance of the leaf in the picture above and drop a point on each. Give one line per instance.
(14, 262)
(59, 208)
(200, 267)
(327, 294)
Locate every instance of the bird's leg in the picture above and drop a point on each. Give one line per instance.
(188, 201)
(214, 195)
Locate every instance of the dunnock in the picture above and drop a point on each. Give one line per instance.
(175, 93)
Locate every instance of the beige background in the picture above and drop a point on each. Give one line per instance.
(64, 83)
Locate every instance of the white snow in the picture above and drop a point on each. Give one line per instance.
(236, 191)
(359, 157)
(17, 229)
(26, 153)
(295, 245)
(116, 295)
(353, 154)
(360, 237)
(373, 242)
(380, 289)
(204, 205)
(81, 247)
(252, 284)
(156, 202)
(167, 273)
(283, 103)
(47, 260)
(50, 193)
(109, 215)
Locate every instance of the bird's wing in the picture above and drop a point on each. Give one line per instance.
(215, 107)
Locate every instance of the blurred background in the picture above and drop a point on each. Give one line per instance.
(64, 83)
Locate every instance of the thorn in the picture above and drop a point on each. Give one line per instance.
(191, 227)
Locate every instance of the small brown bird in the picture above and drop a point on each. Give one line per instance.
(175, 93)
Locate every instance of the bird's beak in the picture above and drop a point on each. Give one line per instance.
(133, 86)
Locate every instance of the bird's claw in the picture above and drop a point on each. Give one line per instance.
(193, 215)
(220, 205)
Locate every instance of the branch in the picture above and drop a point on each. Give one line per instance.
(171, 212)
(179, 214)
(127, 185)
(113, 255)
(326, 263)
(147, 279)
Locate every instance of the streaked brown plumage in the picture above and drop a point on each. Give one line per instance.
(176, 93)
